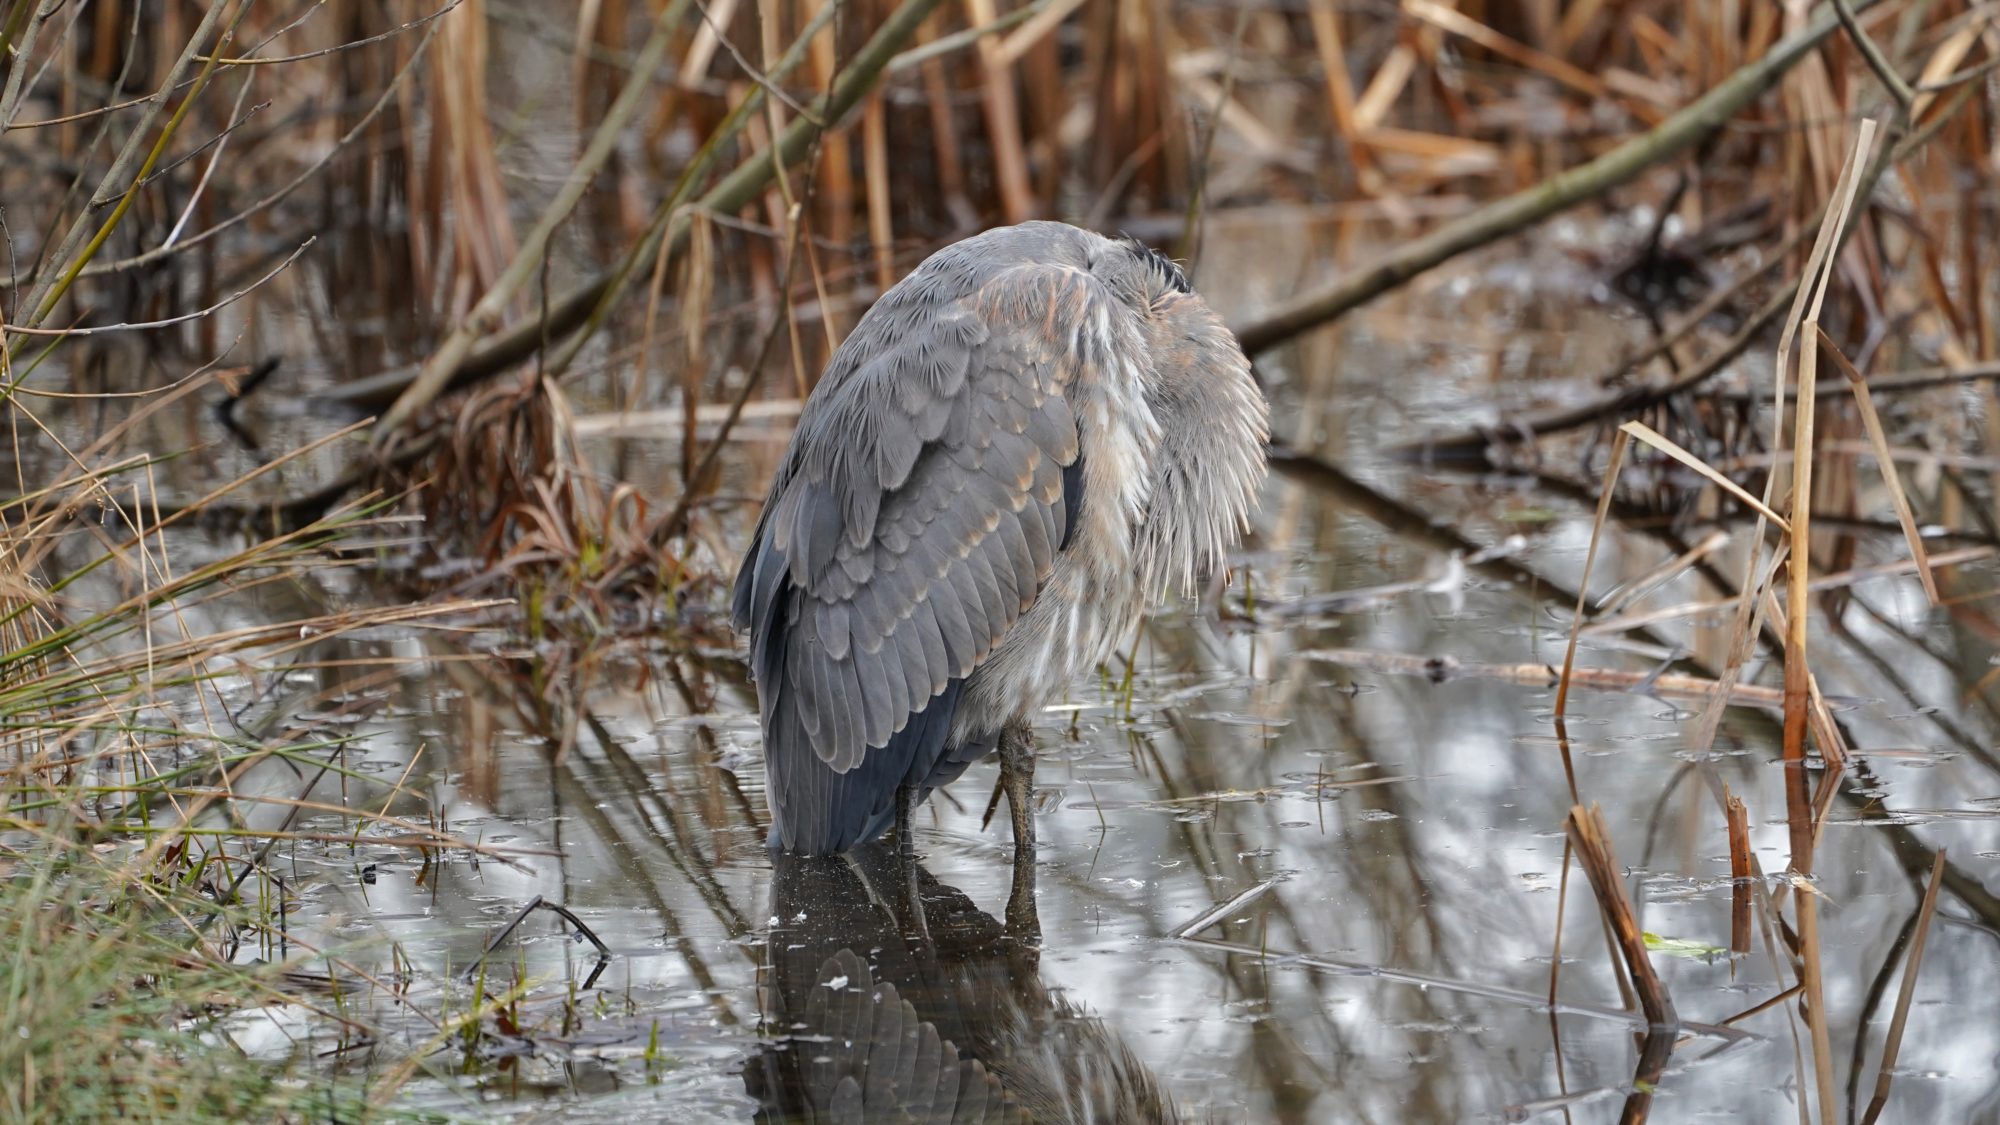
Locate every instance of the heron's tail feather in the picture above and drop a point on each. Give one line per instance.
(816, 811)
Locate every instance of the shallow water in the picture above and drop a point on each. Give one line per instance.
(1353, 744)
(1374, 779)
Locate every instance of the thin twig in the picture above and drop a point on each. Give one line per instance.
(143, 325)
(1877, 61)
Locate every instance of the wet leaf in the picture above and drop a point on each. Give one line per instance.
(1683, 947)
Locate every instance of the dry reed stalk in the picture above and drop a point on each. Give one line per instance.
(1708, 472)
(642, 363)
(697, 286)
(944, 134)
(1799, 709)
(708, 38)
(1003, 129)
(1610, 488)
(1592, 843)
(507, 284)
(577, 314)
(1385, 87)
(462, 151)
(1040, 22)
(1737, 821)
(875, 162)
(1805, 316)
(1458, 23)
(1886, 462)
(1913, 963)
(1325, 21)
(1634, 589)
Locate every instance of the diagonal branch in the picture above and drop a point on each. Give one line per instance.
(486, 314)
(1531, 205)
(569, 312)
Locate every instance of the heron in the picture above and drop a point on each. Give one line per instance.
(1026, 443)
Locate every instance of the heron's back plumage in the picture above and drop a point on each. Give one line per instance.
(953, 532)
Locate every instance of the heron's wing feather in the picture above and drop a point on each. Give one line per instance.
(920, 509)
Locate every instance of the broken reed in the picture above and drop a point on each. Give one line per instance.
(1803, 709)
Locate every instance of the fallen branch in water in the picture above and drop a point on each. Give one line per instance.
(1438, 669)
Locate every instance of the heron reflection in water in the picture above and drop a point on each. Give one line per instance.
(1027, 442)
(875, 1016)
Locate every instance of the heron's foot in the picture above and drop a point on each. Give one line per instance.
(1017, 779)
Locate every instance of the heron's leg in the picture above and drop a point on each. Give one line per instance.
(1017, 777)
(906, 811)
(906, 862)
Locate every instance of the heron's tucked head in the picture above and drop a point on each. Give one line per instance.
(1212, 420)
(1141, 276)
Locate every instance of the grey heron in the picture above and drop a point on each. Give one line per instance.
(1032, 438)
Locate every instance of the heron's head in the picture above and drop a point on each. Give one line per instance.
(1141, 276)
(1213, 422)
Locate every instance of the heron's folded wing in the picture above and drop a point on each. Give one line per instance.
(923, 504)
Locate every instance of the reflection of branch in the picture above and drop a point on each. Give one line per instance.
(1653, 1056)
(1406, 521)
(1190, 933)
(1894, 1042)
